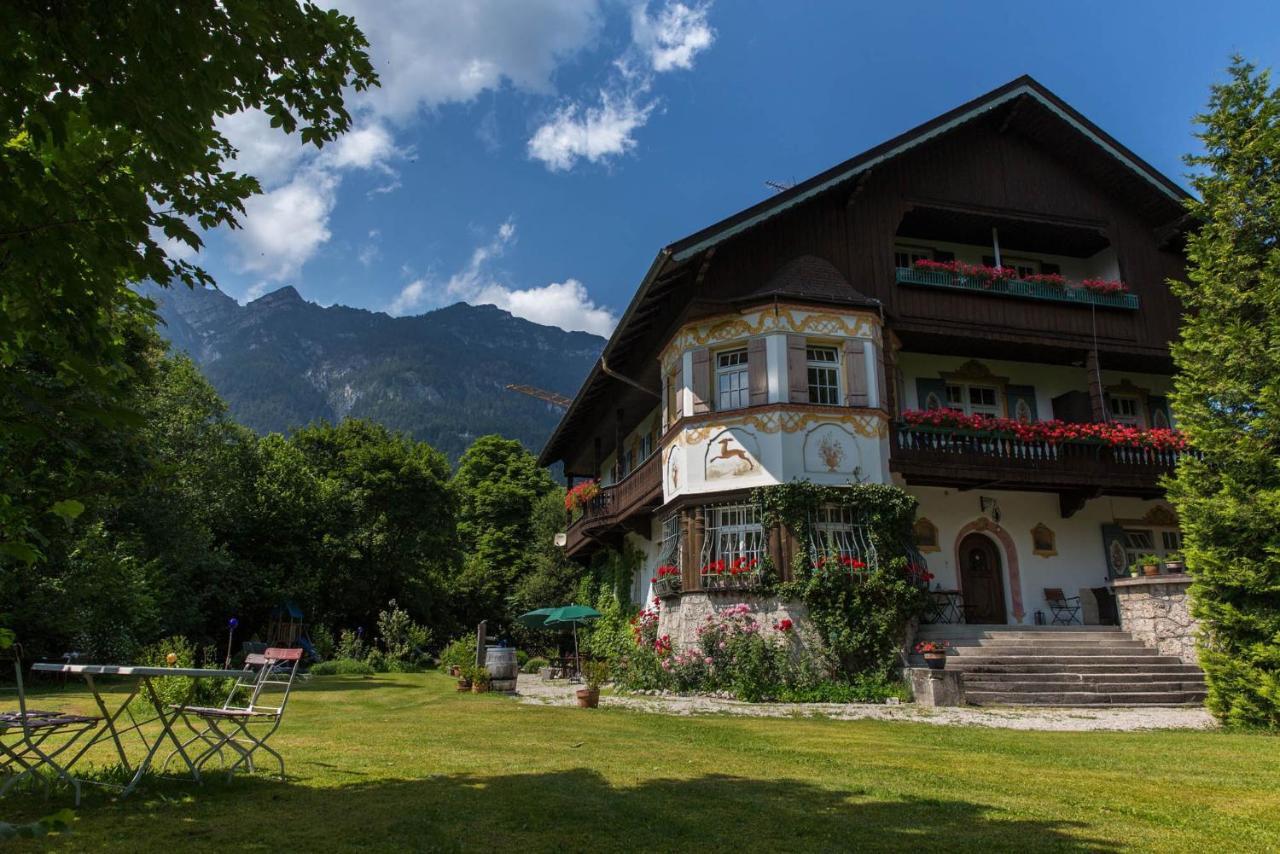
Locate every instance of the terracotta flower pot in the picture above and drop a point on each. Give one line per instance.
(455, 670)
(464, 684)
(479, 688)
(935, 660)
(1150, 569)
(588, 698)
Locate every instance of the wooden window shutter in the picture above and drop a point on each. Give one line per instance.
(882, 379)
(797, 370)
(701, 380)
(757, 371)
(855, 373)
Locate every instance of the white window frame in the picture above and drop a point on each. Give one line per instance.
(1158, 541)
(670, 552)
(820, 390)
(910, 254)
(731, 531)
(733, 379)
(965, 403)
(1133, 418)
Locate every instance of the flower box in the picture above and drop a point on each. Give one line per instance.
(667, 586)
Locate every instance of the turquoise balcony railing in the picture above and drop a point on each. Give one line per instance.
(1014, 288)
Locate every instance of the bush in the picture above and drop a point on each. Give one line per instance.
(342, 667)
(351, 646)
(173, 690)
(459, 652)
(403, 641)
(534, 664)
(521, 657)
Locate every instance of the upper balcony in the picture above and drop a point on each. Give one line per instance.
(1045, 287)
(616, 508)
(1075, 469)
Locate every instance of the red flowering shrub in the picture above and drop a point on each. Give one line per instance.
(1053, 280)
(991, 275)
(932, 646)
(919, 574)
(581, 495)
(1105, 286)
(1053, 431)
(840, 563)
(737, 567)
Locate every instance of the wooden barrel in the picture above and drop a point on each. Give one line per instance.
(500, 661)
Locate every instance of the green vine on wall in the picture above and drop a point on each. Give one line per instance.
(862, 615)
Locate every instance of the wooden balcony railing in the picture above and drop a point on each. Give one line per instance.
(949, 456)
(1014, 288)
(639, 491)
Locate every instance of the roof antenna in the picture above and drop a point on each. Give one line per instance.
(778, 186)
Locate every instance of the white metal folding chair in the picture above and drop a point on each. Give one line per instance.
(248, 717)
(31, 740)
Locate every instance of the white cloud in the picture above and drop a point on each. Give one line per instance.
(565, 304)
(663, 42)
(367, 147)
(589, 133)
(283, 228)
(428, 54)
(267, 153)
(672, 38)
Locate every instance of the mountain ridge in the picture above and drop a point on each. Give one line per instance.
(281, 362)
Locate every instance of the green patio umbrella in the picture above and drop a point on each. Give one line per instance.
(551, 618)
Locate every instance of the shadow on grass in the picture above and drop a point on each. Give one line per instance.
(573, 809)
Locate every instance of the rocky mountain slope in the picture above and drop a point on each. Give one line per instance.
(281, 362)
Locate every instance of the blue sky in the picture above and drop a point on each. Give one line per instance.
(536, 155)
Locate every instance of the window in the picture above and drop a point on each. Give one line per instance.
(906, 256)
(824, 375)
(1159, 542)
(1124, 409)
(646, 447)
(836, 533)
(673, 399)
(973, 399)
(732, 532)
(732, 388)
(1024, 266)
(669, 553)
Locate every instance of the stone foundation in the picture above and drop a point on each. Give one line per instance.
(931, 687)
(1156, 610)
(681, 615)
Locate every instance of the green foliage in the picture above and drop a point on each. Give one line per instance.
(342, 667)
(403, 640)
(497, 486)
(862, 617)
(595, 672)
(58, 822)
(111, 150)
(534, 665)
(1227, 398)
(459, 652)
(609, 636)
(173, 690)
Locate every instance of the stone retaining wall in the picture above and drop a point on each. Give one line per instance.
(1156, 610)
(681, 615)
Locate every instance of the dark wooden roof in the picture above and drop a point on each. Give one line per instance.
(673, 280)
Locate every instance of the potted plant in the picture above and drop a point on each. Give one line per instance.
(479, 679)
(464, 678)
(667, 581)
(594, 673)
(934, 652)
(1174, 564)
(1150, 564)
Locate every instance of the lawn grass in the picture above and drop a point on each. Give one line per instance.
(402, 762)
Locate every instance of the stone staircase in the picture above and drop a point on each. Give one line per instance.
(1063, 666)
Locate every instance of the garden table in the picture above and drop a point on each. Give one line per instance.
(142, 677)
(947, 606)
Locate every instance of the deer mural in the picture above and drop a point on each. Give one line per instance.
(727, 453)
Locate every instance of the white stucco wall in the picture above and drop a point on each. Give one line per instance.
(1080, 561)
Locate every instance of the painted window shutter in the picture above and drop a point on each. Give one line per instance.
(926, 387)
(1024, 393)
(855, 373)
(797, 370)
(1158, 405)
(757, 371)
(701, 380)
(882, 378)
(1113, 549)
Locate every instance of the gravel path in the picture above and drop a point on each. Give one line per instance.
(532, 689)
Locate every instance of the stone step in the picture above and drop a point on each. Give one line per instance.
(936, 630)
(1182, 671)
(1056, 685)
(1109, 639)
(1062, 650)
(1084, 698)
(1059, 660)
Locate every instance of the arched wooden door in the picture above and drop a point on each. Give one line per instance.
(981, 581)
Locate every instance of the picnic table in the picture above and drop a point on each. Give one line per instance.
(167, 716)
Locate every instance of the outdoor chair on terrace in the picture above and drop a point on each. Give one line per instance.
(31, 740)
(249, 716)
(1065, 609)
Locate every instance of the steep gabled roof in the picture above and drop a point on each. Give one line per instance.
(1087, 146)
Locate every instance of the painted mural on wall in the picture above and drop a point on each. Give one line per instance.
(831, 449)
(732, 453)
(673, 471)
